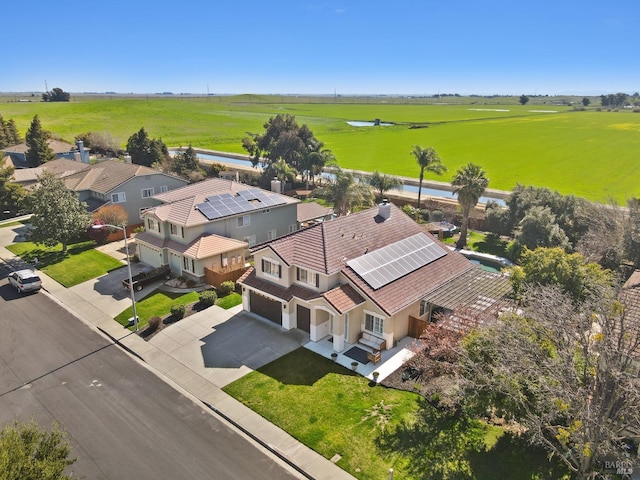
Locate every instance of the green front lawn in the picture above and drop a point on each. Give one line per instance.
(157, 304)
(372, 428)
(229, 301)
(81, 262)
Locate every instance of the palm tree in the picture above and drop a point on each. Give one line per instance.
(469, 183)
(429, 161)
(345, 192)
(383, 183)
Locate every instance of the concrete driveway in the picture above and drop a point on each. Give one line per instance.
(224, 345)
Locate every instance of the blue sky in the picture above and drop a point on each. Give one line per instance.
(426, 47)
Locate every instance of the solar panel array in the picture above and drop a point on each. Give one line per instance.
(227, 204)
(383, 266)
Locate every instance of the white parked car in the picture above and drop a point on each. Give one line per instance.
(25, 281)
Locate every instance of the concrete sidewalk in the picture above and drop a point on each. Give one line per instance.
(175, 352)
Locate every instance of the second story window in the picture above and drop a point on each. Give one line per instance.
(150, 224)
(147, 192)
(118, 197)
(243, 221)
(174, 229)
(163, 189)
(308, 277)
(271, 268)
(271, 234)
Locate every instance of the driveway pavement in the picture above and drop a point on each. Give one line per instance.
(199, 354)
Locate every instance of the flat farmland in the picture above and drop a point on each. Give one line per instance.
(593, 154)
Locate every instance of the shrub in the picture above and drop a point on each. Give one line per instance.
(154, 324)
(178, 311)
(436, 216)
(208, 298)
(227, 287)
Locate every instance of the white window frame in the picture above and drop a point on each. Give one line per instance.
(251, 240)
(173, 228)
(151, 224)
(147, 192)
(271, 268)
(164, 189)
(307, 277)
(244, 221)
(118, 197)
(293, 228)
(424, 307)
(272, 234)
(373, 323)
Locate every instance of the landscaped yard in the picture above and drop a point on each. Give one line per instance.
(158, 304)
(372, 428)
(81, 261)
(482, 242)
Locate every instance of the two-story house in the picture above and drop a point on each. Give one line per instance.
(203, 231)
(374, 272)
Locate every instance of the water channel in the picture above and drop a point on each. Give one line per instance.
(426, 191)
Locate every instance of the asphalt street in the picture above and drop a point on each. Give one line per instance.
(123, 420)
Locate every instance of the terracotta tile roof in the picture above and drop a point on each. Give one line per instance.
(179, 204)
(343, 298)
(249, 278)
(210, 245)
(211, 186)
(104, 177)
(328, 246)
(310, 211)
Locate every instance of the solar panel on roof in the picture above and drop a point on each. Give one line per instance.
(383, 266)
(225, 204)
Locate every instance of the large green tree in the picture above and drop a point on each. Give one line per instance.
(145, 150)
(58, 216)
(429, 161)
(469, 183)
(12, 195)
(283, 139)
(185, 163)
(9, 135)
(28, 453)
(56, 95)
(345, 192)
(538, 228)
(571, 272)
(563, 371)
(37, 139)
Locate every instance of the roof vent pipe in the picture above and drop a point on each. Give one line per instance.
(384, 209)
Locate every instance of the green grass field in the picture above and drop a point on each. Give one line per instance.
(587, 153)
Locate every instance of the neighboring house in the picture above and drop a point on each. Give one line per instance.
(17, 154)
(310, 213)
(203, 231)
(106, 182)
(376, 275)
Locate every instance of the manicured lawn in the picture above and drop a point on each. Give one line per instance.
(81, 262)
(373, 428)
(229, 301)
(157, 304)
(482, 242)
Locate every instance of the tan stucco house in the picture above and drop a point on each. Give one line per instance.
(372, 276)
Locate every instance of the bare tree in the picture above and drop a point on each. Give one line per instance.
(564, 371)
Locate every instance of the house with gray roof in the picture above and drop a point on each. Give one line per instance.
(109, 182)
(369, 278)
(203, 230)
(16, 155)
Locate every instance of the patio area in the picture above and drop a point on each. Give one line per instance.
(391, 360)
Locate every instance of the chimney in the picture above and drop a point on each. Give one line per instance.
(84, 154)
(384, 209)
(276, 185)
